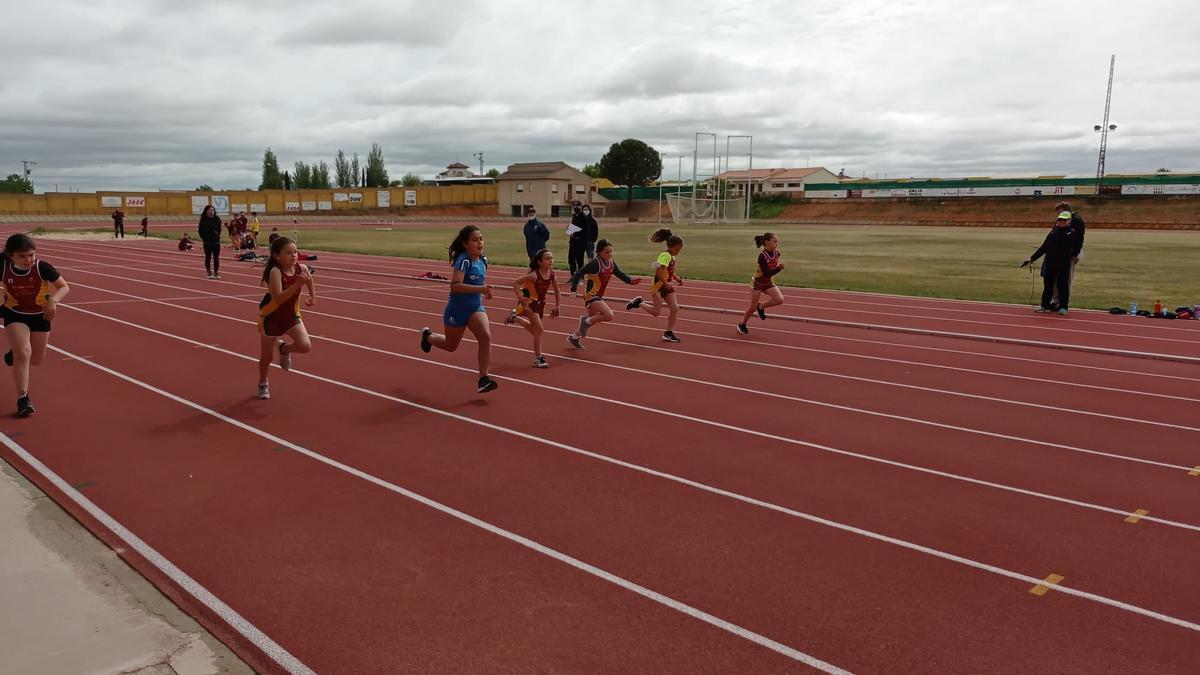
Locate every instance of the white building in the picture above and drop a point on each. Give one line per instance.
(775, 181)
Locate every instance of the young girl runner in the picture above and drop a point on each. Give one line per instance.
(598, 271)
(661, 290)
(279, 311)
(468, 288)
(32, 291)
(768, 267)
(531, 300)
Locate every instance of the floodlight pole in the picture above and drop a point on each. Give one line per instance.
(749, 170)
(696, 160)
(1104, 129)
(660, 186)
(479, 156)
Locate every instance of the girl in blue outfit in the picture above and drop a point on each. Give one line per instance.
(468, 288)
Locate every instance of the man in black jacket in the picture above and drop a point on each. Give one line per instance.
(591, 231)
(1059, 248)
(1079, 226)
(576, 241)
(210, 234)
(536, 234)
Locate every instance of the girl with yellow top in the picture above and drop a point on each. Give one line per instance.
(661, 291)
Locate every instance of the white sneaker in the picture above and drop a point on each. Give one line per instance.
(540, 362)
(264, 391)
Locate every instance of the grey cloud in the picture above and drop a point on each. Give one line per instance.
(411, 24)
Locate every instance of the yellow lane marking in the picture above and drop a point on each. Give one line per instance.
(1049, 581)
(1136, 516)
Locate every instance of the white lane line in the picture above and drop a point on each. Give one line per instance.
(202, 595)
(655, 596)
(888, 383)
(1023, 578)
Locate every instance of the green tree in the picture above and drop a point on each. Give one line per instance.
(355, 172)
(302, 176)
(341, 170)
(493, 173)
(376, 171)
(271, 180)
(592, 170)
(320, 176)
(631, 163)
(205, 188)
(15, 182)
(410, 180)
(287, 181)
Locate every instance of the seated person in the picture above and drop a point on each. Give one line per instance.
(185, 242)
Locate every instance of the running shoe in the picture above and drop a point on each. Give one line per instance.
(669, 336)
(575, 341)
(1062, 311)
(1041, 310)
(511, 318)
(540, 362)
(24, 406)
(285, 359)
(487, 384)
(216, 275)
(425, 344)
(8, 358)
(583, 326)
(634, 303)
(210, 276)
(743, 329)
(264, 391)
(762, 313)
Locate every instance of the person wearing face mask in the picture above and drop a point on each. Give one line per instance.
(1060, 246)
(536, 234)
(576, 241)
(591, 232)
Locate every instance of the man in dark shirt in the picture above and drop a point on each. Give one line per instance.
(118, 217)
(1079, 227)
(1060, 247)
(536, 234)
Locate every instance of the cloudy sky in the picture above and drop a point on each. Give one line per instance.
(173, 93)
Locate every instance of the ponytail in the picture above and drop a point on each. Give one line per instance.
(665, 235)
(459, 245)
(760, 239)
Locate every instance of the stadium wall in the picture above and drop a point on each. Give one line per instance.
(1158, 184)
(140, 203)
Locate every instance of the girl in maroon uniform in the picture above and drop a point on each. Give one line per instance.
(531, 292)
(279, 311)
(763, 284)
(32, 291)
(599, 271)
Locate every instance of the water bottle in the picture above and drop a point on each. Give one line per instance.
(1133, 308)
(1158, 308)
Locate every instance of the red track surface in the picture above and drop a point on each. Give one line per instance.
(877, 501)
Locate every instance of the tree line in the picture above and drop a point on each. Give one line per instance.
(347, 172)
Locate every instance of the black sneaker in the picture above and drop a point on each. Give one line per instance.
(743, 329)
(540, 362)
(487, 384)
(425, 345)
(24, 406)
(575, 342)
(634, 303)
(8, 358)
(669, 336)
(762, 313)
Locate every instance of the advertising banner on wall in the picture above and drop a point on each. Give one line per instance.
(1160, 189)
(291, 206)
(308, 206)
(384, 198)
(113, 202)
(238, 208)
(410, 197)
(341, 197)
(258, 208)
(355, 197)
(324, 206)
(221, 203)
(135, 202)
(198, 204)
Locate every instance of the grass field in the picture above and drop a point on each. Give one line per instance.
(969, 263)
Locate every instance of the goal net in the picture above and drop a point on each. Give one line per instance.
(688, 207)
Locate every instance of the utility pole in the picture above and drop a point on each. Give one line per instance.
(27, 166)
(479, 156)
(1105, 128)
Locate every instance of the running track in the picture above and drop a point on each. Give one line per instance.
(874, 498)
